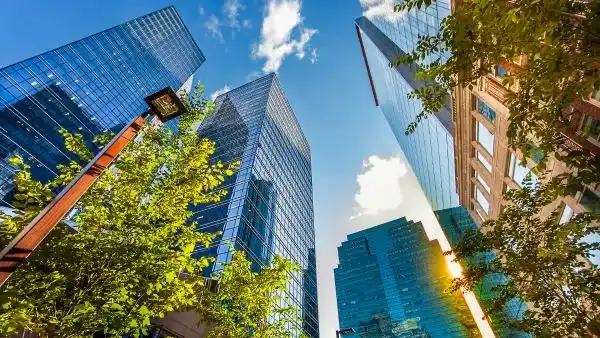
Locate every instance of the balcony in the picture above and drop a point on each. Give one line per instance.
(571, 142)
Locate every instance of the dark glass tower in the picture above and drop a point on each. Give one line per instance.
(88, 86)
(269, 209)
(391, 281)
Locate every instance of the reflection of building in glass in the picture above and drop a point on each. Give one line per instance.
(268, 210)
(455, 223)
(94, 84)
(391, 281)
(429, 149)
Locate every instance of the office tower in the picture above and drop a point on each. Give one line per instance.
(486, 167)
(269, 209)
(391, 281)
(429, 149)
(89, 86)
(455, 223)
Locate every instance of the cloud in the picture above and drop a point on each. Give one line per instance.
(218, 92)
(314, 57)
(276, 42)
(246, 23)
(253, 76)
(380, 9)
(231, 10)
(201, 10)
(379, 186)
(213, 25)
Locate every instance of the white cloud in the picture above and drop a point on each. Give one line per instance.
(231, 9)
(276, 42)
(380, 9)
(253, 76)
(201, 10)
(314, 57)
(246, 23)
(218, 92)
(213, 25)
(379, 186)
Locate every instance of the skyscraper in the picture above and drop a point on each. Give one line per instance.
(89, 86)
(391, 281)
(429, 149)
(269, 209)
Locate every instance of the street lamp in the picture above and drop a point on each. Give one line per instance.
(165, 104)
(344, 332)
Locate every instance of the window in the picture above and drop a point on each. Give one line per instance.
(485, 138)
(590, 201)
(483, 202)
(566, 214)
(480, 214)
(518, 172)
(590, 128)
(483, 182)
(487, 165)
(501, 71)
(486, 111)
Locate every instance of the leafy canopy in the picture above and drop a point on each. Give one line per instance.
(120, 266)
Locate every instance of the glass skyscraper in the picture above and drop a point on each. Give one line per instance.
(429, 149)
(269, 208)
(89, 86)
(455, 223)
(391, 282)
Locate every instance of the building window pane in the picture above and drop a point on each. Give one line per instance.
(484, 162)
(483, 202)
(486, 111)
(590, 128)
(483, 182)
(518, 172)
(590, 201)
(566, 214)
(485, 138)
(501, 71)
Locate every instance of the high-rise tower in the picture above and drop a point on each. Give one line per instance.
(429, 149)
(89, 86)
(269, 208)
(392, 281)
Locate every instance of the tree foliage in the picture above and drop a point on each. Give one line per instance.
(119, 266)
(545, 263)
(250, 304)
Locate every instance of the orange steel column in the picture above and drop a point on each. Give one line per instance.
(22, 246)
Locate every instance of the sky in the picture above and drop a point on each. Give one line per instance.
(360, 178)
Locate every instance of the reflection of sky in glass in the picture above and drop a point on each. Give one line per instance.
(91, 85)
(518, 172)
(485, 138)
(480, 197)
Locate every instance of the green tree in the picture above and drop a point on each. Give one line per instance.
(250, 304)
(545, 262)
(121, 266)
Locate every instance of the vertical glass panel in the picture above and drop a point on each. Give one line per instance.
(486, 164)
(566, 215)
(483, 202)
(485, 138)
(518, 172)
(483, 182)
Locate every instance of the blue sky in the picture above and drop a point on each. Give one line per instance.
(358, 178)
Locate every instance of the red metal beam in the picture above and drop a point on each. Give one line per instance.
(22, 246)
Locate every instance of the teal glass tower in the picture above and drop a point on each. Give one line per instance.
(268, 210)
(89, 86)
(430, 148)
(391, 282)
(456, 223)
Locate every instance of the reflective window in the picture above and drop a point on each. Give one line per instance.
(566, 214)
(485, 138)
(519, 173)
(590, 128)
(486, 111)
(486, 164)
(483, 182)
(483, 202)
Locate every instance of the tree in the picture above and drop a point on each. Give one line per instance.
(249, 304)
(120, 264)
(545, 262)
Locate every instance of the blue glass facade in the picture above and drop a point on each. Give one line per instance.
(391, 282)
(455, 222)
(269, 208)
(430, 149)
(88, 86)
